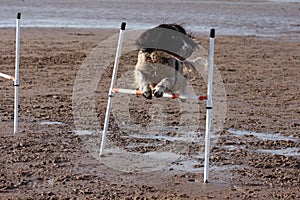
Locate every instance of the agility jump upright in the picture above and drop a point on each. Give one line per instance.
(209, 103)
(208, 98)
(16, 77)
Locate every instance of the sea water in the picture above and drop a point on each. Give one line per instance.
(264, 18)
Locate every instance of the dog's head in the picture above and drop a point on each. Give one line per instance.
(171, 38)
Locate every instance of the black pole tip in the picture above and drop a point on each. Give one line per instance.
(212, 33)
(19, 16)
(123, 25)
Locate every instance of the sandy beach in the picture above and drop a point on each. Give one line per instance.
(255, 148)
(49, 161)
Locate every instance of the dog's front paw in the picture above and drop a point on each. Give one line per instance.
(158, 92)
(147, 92)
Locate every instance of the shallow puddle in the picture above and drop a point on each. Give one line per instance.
(173, 157)
(50, 123)
(291, 151)
(122, 160)
(261, 136)
(87, 132)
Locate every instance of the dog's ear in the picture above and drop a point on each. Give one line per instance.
(179, 28)
(149, 39)
(168, 37)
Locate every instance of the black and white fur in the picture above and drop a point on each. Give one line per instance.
(162, 63)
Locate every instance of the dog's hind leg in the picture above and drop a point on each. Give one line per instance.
(143, 84)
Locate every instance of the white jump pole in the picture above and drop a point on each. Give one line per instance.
(209, 105)
(16, 78)
(111, 93)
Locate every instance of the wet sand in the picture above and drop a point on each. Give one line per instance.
(256, 154)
